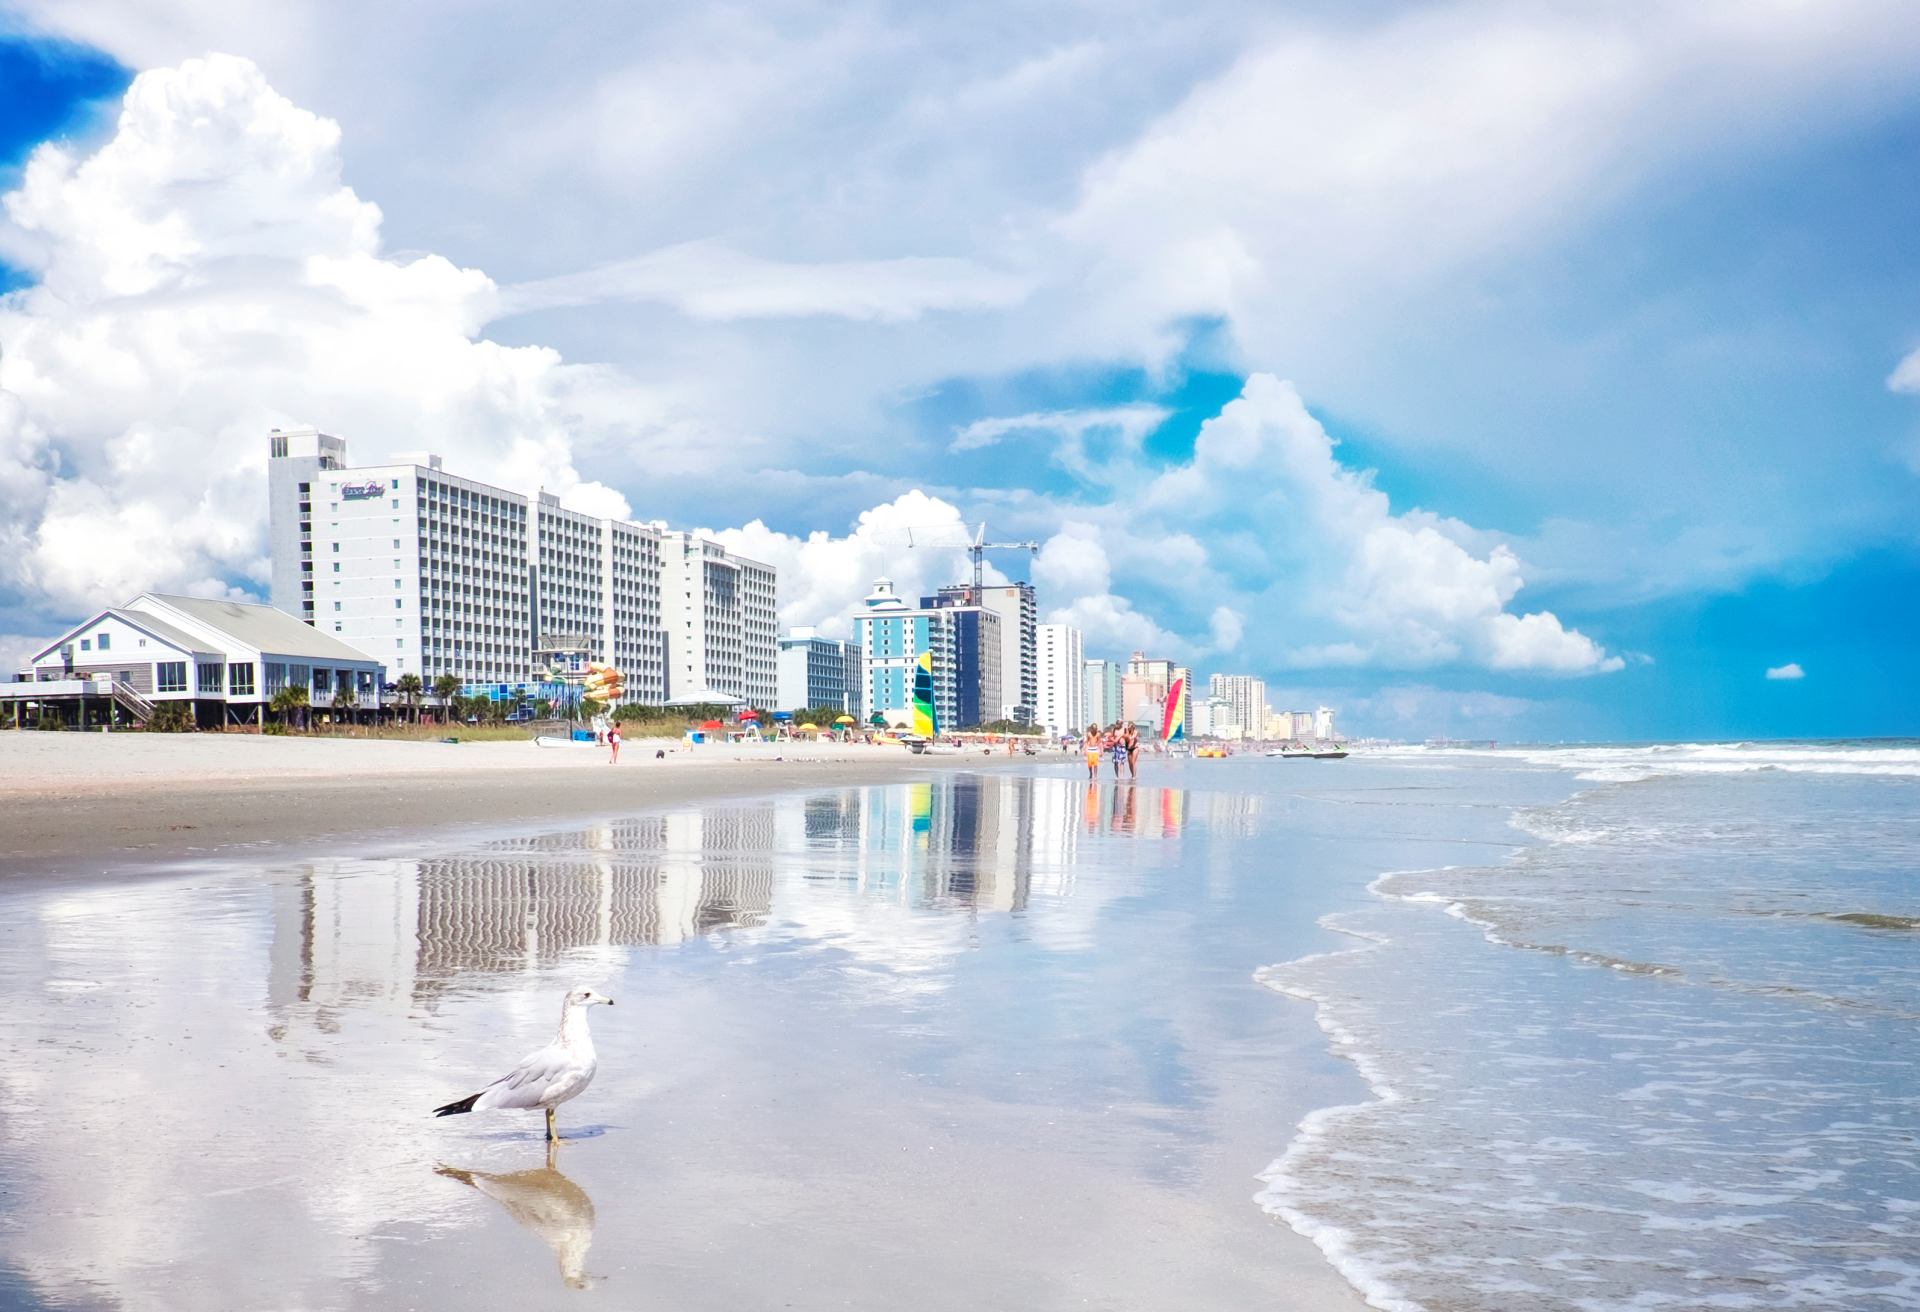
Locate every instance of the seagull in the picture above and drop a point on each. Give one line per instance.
(544, 1079)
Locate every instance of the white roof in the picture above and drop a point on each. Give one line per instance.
(261, 627)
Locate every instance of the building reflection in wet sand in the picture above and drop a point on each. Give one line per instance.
(402, 932)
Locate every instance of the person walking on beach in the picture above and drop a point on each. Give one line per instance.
(613, 741)
(1090, 744)
(1130, 741)
(1117, 748)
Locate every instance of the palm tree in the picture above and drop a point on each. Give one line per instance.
(444, 687)
(289, 702)
(343, 700)
(409, 687)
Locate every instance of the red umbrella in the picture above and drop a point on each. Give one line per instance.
(749, 715)
(712, 724)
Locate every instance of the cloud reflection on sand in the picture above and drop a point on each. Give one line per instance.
(253, 1051)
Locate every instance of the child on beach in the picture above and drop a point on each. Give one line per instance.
(613, 741)
(1091, 746)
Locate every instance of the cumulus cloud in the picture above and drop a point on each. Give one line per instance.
(1791, 670)
(1303, 561)
(1383, 588)
(202, 277)
(913, 539)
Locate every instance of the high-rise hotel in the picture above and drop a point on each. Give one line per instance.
(435, 574)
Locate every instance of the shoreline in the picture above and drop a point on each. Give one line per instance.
(95, 805)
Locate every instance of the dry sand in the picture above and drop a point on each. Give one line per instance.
(73, 804)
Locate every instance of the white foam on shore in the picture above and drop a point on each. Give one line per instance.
(1638, 764)
(1336, 1243)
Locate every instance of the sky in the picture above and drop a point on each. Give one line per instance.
(1514, 371)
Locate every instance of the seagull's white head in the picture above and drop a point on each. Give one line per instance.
(586, 997)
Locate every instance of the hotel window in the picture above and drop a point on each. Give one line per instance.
(336, 567)
(106, 641)
(210, 680)
(170, 676)
(240, 679)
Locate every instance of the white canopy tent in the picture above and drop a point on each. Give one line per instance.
(708, 698)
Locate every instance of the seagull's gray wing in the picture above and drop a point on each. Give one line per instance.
(527, 1084)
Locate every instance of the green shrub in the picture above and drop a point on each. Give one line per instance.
(171, 717)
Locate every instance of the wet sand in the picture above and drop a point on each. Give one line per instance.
(956, 1040)
(73, 805)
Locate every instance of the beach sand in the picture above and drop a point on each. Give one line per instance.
(73, 804)
(963, 1039)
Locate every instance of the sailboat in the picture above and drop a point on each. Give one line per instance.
(1173, 719)
(926, 715)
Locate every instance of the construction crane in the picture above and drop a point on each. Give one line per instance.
(976, 550)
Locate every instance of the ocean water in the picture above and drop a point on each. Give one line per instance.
(1665, 1056)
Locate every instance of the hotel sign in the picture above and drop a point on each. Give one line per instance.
(362, 491)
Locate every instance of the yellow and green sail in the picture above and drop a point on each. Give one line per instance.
(926, 722)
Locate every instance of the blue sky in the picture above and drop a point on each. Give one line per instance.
(1523, 375)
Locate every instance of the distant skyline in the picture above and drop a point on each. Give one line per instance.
(1502, 372)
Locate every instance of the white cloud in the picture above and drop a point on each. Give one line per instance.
(1384, 589)
(1328, 169)
(1226, 626)
(205, 276)
(1308, 548)
(1791, 670)
(823, 577)
(1127, 425)
(1420, 710)
(709, 281)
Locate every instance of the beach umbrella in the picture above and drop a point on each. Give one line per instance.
(810, 728)
(844, 719)
(878, 720)
(783, 715)
(749, 715)
(712, 724)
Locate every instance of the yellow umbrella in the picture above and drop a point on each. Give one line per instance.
(845, 719)
(810, 728)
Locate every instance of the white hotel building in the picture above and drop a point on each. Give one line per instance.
(434, 574)
(1061, 685)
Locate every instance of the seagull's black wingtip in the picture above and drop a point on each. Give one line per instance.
(457, 1108)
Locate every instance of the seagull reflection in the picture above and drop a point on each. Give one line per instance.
(546, 1204)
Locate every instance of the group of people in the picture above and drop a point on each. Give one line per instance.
(1120, 742)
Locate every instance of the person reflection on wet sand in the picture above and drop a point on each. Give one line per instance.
(546, 1204)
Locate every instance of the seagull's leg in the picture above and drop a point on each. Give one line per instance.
(553, 1135)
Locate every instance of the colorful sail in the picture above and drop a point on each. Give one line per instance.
(926, 722)
(1173, 716)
